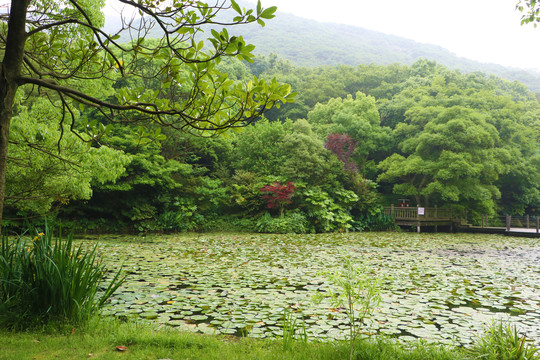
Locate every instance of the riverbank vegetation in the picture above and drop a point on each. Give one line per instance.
(355, 138)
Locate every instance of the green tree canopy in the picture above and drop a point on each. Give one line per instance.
(455, 158)
(54, 47)
(40, 174)
(357, 117)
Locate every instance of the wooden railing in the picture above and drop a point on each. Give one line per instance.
(524, 222)
(411, 213)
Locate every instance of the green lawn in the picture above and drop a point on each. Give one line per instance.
(143, 341)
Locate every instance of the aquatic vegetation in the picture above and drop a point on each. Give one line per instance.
(439, 287)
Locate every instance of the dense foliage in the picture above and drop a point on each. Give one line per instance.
(357, 138)
(56, 56)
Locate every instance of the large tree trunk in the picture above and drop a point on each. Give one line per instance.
(6, 105)
(10, 71)
(418, 197)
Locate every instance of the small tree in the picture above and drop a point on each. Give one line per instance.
(278, 195)
(343, 145)
(358, 293)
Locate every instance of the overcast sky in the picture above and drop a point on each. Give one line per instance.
(482, 30)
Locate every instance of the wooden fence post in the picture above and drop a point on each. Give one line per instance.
(527, 220)
(418, 219)
(508, 222)
(537, 223)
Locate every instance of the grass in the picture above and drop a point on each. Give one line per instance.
(503, 341)
(43, 279)
(99, 339)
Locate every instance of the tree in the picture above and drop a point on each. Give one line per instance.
(39, 175)
(343, 146)
(56, 48)
(278, 195)
(288, 151)
(531, 10)
(455, 156)
(357, 117)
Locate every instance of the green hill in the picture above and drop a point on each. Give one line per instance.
(311, 43)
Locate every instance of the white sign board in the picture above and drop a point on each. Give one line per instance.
(420, 211)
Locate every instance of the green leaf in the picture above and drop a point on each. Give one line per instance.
(183, 30)
(269, 13)
(236, 7)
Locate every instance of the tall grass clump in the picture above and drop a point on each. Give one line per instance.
(293, 332)
(503, 342)
(43, 279)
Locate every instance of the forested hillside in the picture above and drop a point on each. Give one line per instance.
(357, 138)
(310, 43)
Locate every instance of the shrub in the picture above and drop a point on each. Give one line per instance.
(44, 279)
(329, 212)
(502, 341)
(293, 222)
(185, 217)
(374, 220)
(278, 195)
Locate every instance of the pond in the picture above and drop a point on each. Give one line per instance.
(443, 288)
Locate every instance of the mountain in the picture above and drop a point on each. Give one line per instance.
(311, 43)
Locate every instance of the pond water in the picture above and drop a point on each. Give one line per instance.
(443, 288)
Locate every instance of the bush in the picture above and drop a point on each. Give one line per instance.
(503, 341)
(329, 212)
(293, 222)
(185, 218)
(373, 221)
(44, 279)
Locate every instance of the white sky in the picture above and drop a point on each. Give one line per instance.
(483, 30)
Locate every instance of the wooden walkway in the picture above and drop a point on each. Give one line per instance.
(421, 217)
(518, 232)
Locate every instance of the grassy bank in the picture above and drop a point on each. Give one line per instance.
(99, 340)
